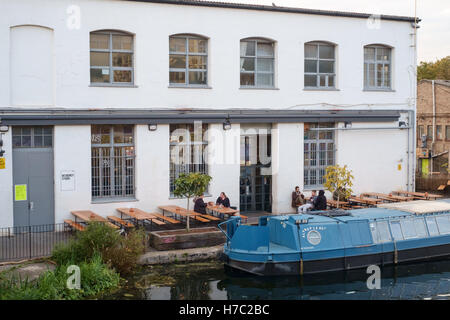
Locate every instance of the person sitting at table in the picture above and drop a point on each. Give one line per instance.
(309, 205)
(320, 203)
(223, 200)
(200, 205)
(297, 198)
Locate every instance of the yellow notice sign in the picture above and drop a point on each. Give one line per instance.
(20, 192)
(2, 163)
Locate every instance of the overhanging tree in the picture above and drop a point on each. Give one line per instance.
(340, 180)
(190, 185)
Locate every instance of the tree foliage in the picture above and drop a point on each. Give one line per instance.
(434, 70)
(339, 179)
(189, 185)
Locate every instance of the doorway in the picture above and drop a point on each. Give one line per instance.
(256, 172)
(33, 186)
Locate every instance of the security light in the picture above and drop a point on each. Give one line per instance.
(4, 129)
(227, 125)
(152, 126)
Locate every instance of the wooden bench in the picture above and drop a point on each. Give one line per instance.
(74, 225)
(199, 218)
(112, 225)
(168, 219)
(121, 222)
(207, 216)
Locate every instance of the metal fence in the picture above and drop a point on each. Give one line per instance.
(18, 243)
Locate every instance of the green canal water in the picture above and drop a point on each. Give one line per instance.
(210, 281)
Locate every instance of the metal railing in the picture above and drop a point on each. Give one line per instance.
(28, 242)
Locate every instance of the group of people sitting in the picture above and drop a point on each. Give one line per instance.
(200, 205)
(316, 202)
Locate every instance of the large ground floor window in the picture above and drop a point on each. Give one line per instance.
(319, 152)
(188, 144)
(113, 162)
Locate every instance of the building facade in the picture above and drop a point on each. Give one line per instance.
(433, 126)
(104, 103)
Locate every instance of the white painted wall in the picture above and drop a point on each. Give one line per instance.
(224, 28)
(287, 164)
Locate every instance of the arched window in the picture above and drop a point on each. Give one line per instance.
(188, 60)
(257, 63)
(111, 57)
(320, 69)
(377, 67)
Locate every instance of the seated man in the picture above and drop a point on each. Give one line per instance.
(200, 205)
(320, 203)
(309, 205)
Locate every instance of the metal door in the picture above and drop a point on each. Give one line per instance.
(33, 186)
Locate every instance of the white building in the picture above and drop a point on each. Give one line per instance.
(81, 81)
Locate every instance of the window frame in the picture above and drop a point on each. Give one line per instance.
(187, 54)
(112, 175)
(255, 72)
(318, 74)
(32, 136)
(318, 168)
(377, 62)
(201, 167)
(111, 51)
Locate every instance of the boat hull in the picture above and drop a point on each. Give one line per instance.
(273, 268)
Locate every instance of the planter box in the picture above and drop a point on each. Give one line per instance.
(181, 239)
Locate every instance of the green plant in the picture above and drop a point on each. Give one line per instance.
(340, 180)
(189, 185)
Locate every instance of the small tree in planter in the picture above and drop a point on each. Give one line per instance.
(339, 180)
(189, 185)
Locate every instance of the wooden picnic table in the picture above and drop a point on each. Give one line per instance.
(417, 195)
(139, 215)
(222, 210)
(364, 200)
(87, 216)
(333, 203)
(385, 197)
(183, 213)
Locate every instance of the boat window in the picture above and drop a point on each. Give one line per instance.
(373, 230)
(443, 224)
(432, 227)
(420, 227)
(409, 230)
(383, 231)
(396, 230)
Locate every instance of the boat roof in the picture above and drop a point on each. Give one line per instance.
(411, 208)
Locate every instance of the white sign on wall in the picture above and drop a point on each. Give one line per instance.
(68, 180)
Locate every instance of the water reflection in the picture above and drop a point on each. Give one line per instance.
(211, 281)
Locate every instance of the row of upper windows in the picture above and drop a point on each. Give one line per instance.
(410, 228)
(111, 60)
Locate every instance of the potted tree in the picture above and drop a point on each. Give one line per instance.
(190, 185)
(339, 180)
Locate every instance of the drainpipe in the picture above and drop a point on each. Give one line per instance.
(434, 124)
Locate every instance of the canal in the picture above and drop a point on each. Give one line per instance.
(210, 281)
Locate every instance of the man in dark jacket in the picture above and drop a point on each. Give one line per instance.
(200, 205)
(320, 203)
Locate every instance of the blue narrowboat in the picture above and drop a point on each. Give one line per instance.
(325, 241)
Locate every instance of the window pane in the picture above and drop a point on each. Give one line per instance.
(326, 52)
(447, 132)
(99, 59)
(369, 53)
(311, 66)
(16, 141)
(432, 227)
(122, 42)
(48, 141)
(197, 45)
(383, 231)
(326, 66)
(379, 75)
(420, 227)
(122, 76)
(265, 64)
(26, 141)
(177, 45)
(247, 79)
(197, 62)
(383, 54)
(38, 131)
(373, 231)
(408, 228)
(310, 51)
(197, 77)
(38, 141)
(177, 77)
(443, 224)
(310, 80)
(248, 48)
(264, 79)
(99, 41)
(264, 49)
(387, 75)
(371, 75)
(177, 61)
(247, 64)
(322, 81)
(122, 59)
(331, 81)
(99, 75)
(396, 230)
